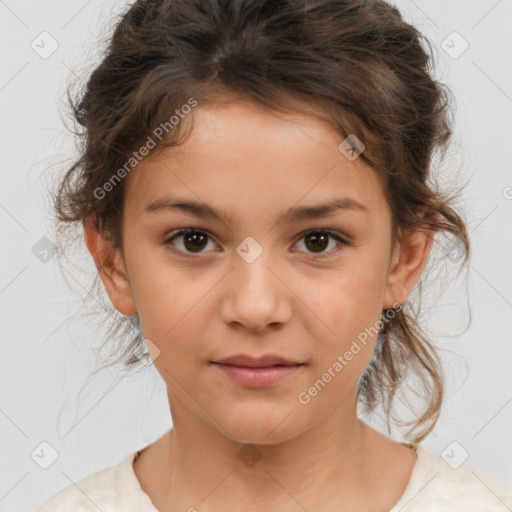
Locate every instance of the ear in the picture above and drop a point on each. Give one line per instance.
(111, 267)
(408, 261)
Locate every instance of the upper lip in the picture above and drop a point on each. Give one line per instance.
(256, 362)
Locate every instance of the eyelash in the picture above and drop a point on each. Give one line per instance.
(332, 234)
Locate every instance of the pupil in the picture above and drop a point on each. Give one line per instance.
(198, 240)
(319, 240)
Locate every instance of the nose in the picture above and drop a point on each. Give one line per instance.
(256, 297)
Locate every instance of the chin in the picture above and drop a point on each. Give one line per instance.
(258, 427)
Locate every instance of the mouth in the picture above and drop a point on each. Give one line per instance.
(259, 372)
(257, 362)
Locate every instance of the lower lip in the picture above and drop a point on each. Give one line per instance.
(258, 377)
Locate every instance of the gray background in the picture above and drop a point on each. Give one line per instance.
(45, 342)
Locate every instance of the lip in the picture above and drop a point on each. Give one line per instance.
(257, 362)
(259, 372)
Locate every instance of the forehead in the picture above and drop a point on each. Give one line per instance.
(241, 156)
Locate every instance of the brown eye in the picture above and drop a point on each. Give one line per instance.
(318, 242)
(193, 241)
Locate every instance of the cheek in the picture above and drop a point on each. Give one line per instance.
(169, 303)
(345, 302)
(344, 320)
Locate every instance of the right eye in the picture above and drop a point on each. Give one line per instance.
(189, 239)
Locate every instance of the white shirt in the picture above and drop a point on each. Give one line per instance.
(434, 486)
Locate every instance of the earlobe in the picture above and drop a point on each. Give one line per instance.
(112, 270)
(409, 260)
(395, 292)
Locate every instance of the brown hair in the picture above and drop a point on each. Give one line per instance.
(354, 63)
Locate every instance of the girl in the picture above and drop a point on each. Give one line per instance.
(255, 191)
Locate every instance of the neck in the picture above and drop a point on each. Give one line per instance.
(208, 469)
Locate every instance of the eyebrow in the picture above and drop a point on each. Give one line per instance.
(293, 214)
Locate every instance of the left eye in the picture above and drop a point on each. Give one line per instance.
(194, 241)
(318, 240)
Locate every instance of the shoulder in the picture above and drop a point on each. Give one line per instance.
(111, 489)
(437, 484)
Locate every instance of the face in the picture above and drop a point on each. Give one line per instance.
(263, 270)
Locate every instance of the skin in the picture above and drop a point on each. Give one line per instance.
(255, 165)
